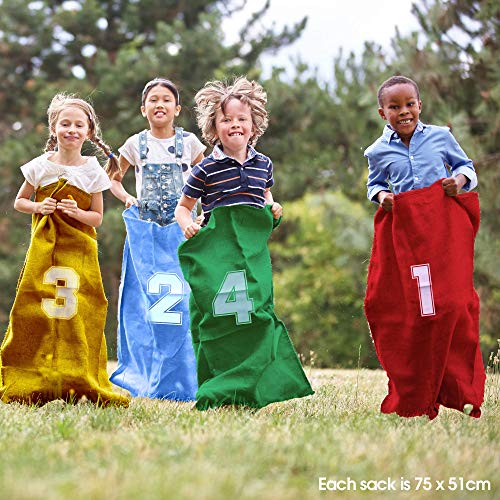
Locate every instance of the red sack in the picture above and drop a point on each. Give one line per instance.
(421, 304)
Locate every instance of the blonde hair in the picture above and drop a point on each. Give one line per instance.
(215, 95)
(62, 101)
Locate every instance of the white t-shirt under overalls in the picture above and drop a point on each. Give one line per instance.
(161, 151)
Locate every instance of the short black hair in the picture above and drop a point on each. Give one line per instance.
(164, 83)
(395, 80)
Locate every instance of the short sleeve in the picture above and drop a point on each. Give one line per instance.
(130, 150)
(270, 176)
(30, 171)
(195, 184)
(102, 182)
(197, 147)
(97, 179)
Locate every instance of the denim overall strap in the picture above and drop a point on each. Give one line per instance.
(179, 145)
(161, 182)
(143, 146)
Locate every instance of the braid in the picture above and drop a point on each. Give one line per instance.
(51, 144)
(61, 101)
(111, 166)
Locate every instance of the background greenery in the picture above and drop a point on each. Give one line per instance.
(107, 50)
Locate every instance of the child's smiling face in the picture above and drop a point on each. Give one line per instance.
(71, 128)
(401, 107)
(234, 126)
(160, 107)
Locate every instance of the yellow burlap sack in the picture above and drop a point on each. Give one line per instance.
(55, 346)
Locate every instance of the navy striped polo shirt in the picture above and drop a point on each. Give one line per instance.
(220, 180)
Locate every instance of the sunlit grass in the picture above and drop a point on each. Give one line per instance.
(156, 449)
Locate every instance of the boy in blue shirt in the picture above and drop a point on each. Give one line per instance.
(420, 303)
(409, 154)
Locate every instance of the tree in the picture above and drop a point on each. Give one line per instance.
(456, 65)
(320, 258)
(105, 50)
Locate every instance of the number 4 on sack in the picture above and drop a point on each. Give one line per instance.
(232, 298)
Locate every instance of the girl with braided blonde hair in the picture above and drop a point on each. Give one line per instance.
(58, 103)
(71, 122)
(54, 347)
(231, 117)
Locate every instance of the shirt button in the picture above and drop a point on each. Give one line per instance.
(416, 178)
(411, 157)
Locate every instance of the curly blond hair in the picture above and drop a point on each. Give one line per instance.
(62, 101)
(215, 95)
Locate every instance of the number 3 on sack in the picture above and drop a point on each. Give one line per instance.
(67, 283)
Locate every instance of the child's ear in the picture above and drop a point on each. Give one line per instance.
(381, 113)
(143, 111)
(178, 109)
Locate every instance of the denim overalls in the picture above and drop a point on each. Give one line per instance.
(161, 183)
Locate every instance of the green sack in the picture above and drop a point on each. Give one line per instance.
(243, 352)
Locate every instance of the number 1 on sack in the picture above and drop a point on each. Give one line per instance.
(422, 273)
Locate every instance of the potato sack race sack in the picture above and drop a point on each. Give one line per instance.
(243, 352)
(55, 346)
(155, 351)
(421, 304)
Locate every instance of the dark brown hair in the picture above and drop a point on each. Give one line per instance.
(395, 80)
(164, 83)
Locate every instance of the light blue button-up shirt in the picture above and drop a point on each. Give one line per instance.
(394, 167)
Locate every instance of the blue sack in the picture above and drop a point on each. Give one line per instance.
(155, 352)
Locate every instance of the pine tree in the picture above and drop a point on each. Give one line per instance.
(106, 50)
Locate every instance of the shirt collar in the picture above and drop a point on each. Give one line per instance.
(218, 153)
(389, 133)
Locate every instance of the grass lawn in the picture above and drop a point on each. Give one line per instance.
(156, 449)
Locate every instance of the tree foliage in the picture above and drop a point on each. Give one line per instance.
(106, 51)
(320, 263)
